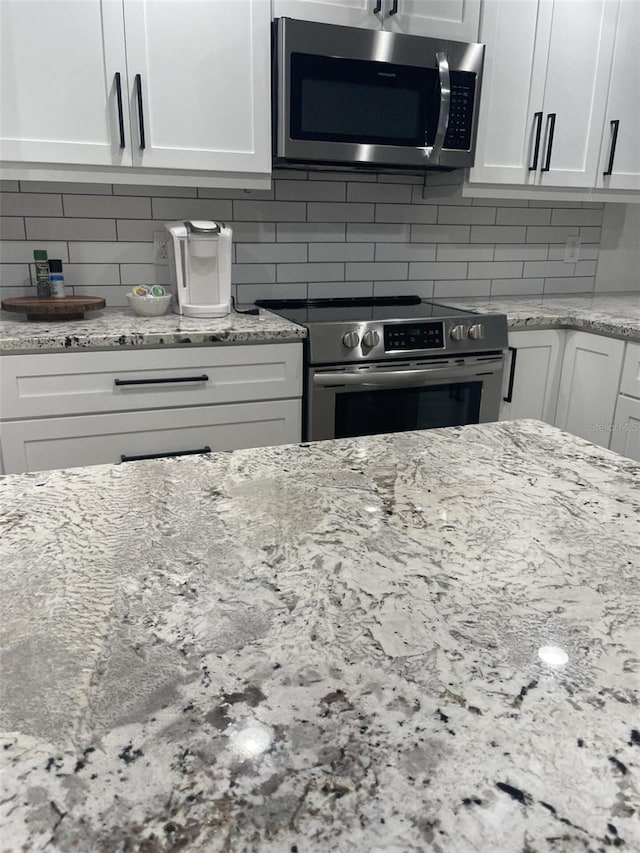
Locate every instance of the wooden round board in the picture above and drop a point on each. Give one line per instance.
(45, 308)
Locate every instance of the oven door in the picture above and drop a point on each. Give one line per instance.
(382, 397)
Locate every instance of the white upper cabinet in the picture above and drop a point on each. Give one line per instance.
(620, 154)
(199, 84)
(446, 19)
(347, 13)
(59, 61)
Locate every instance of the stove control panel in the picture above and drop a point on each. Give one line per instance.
(413, 336)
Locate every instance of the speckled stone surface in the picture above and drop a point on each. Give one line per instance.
(616, 314)
(121, 328)
(331, 647)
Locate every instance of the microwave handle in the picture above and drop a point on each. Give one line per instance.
(433, 153)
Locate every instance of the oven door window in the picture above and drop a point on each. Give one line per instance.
(398, 409)
(353, 101)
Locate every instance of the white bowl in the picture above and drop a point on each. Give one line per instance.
(148, 306)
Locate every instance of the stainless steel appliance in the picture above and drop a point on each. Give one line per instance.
(360, 97)
(396, 363)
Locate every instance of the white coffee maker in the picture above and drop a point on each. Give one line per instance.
(200, 262)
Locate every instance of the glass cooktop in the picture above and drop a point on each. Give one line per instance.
(358, 309)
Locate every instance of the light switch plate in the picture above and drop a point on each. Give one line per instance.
(572, 249)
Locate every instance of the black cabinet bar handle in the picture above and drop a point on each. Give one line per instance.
(614, 139)
(512, 375)
(202, 378)
(141, 456)
(377, 8)
(537, 117)
(138, 84)
(120, 113)
(552, 126)
(394, 8)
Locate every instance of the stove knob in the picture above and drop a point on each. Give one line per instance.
(476, 332)
(457, 333)
(370, 339)
(351, 340)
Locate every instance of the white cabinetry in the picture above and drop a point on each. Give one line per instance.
(625, 438)
(192, 80)
(532, 375)
(444, 19)
(544, 91)
(621, 137)
(589, 386)
(70, 409)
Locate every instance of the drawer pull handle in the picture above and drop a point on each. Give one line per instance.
(202, 378)
(169, 454)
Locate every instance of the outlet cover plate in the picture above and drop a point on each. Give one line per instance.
(161, 248)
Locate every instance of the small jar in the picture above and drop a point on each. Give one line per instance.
(56, 279)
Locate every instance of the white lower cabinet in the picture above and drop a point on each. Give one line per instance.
(589, 385)
(625, 436)
(63, 410)
(532, 375)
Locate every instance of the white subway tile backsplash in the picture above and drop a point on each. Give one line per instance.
(498, 234)
(462, 287)
(15, 275)
(438, 270)
(372, 233)
(271, 253)
(495, 269)
(399, 193)
(246, 294)
(375, 270)
(12, 228)
(523, 216)
(440, 233)
(100, 206)
(337, 233)
(116, 296)
(341, 251)
(406, 213)
(15, 292)
(521, 252)
(110, 253)
(30, 204)
(464, 252)
(308, 191)
(324, 232)
(21, 251)
(339, 212)
(65, 228)
(310, 272)
(466, 215)
(175, 209)
(405, 252)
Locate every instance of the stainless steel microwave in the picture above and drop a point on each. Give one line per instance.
(369, 98)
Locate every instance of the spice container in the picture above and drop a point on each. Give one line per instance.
(56, 279)
(42, 273)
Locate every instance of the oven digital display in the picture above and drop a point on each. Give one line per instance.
(411, 336)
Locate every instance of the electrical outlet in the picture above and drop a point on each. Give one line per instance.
(160, 248)
(572, 249)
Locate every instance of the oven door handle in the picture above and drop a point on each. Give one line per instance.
(433, 153)
(403, 377)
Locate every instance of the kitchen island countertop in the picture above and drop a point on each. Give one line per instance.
(616, 315)
(119, 327)
(340, 646)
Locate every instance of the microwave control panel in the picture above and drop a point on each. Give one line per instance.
(413, 336)
(463, 88)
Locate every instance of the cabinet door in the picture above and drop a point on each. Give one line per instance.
(625, 437)
(630, 382)
(445, 19)
(348, 13)
(516, 34)
(578, 66)
(58, 96)
(535, 364)
(38, 445)
(623, 106)
(589, 386)
(200, 84)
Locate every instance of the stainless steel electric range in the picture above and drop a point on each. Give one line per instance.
(388, 364)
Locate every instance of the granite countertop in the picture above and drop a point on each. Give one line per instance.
(119, 327)
(333, 647)
(616, 314)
